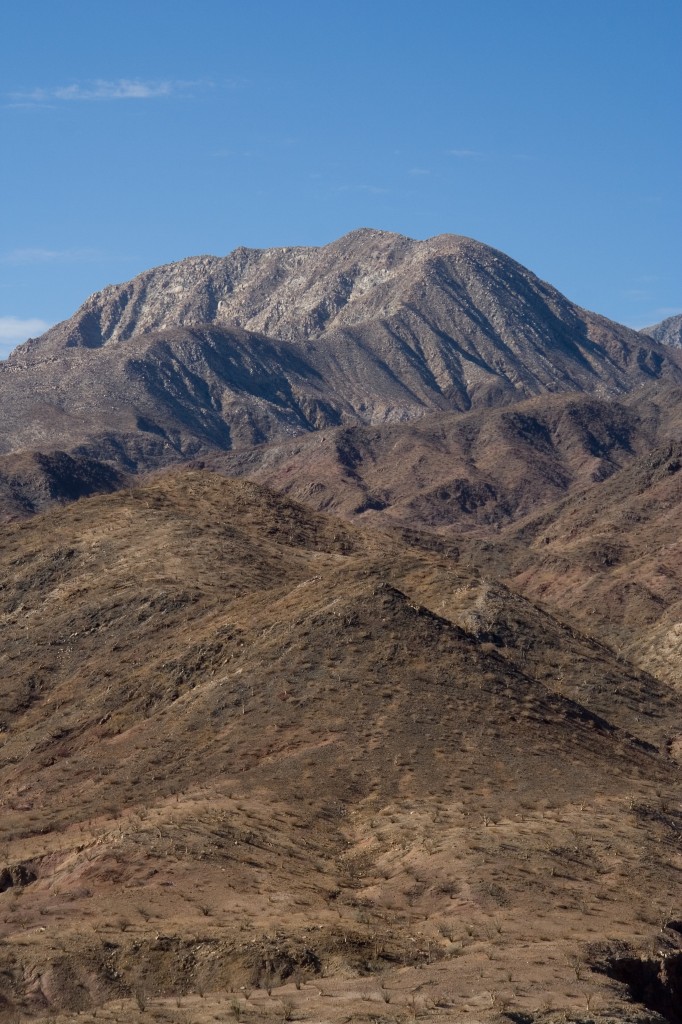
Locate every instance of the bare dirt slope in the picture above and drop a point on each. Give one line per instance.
(260, 764)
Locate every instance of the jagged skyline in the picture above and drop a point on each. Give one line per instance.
(140, 140)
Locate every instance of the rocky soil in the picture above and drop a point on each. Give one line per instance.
(260, 764)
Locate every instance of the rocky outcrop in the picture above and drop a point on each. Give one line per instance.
(667, 332)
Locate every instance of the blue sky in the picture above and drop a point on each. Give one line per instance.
(139, 133)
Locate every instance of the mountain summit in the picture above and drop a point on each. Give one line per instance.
(223, 352)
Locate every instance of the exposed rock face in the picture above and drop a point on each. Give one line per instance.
(224, 353)
(667, 332)
(165, 396)
(290, 293)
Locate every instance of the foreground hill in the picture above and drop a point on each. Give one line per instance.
(257, 761)
(224, 353)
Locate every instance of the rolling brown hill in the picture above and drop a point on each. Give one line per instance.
(260, 763)
(224, 353)
(467, 472)
(575, 500)
(611, 558)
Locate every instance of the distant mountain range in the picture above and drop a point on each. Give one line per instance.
(224, 353)
(668, 332)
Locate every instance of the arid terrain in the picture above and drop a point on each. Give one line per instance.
(214, 354)
(328, 700)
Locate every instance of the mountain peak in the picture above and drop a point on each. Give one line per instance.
(667, 332)
(292, 293)
(373, 327)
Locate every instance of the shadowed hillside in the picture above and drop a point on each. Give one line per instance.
(574, 499)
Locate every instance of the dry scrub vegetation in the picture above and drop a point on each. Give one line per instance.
(260, 764)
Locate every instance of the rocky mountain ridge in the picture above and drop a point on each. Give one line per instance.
(667, 332)
(214, 353)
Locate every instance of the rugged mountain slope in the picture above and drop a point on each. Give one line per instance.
(463, 472)
(171, 394)
(372, 328)
(667, 332)
(364, 278)
(261, 761)
(611, 558)
(576, 499)
(30, 482)
(250, 749)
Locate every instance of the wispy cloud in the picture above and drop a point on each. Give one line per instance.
(14, 330)
(18, 257)
(465, 154)
(101, 89)
(123, 89)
